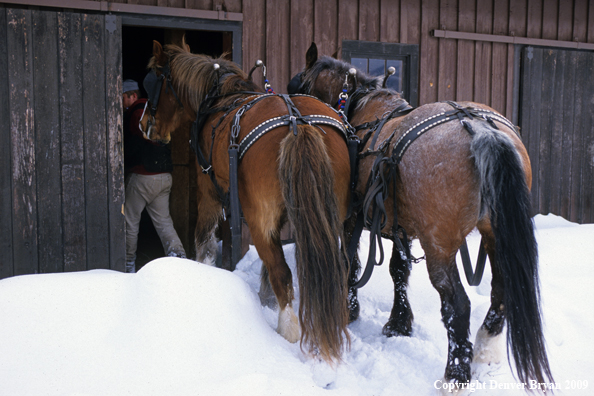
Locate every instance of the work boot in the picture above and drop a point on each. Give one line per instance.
(131, 267)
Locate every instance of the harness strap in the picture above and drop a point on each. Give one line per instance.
(473, 277)
(380, 177)
(289, 120)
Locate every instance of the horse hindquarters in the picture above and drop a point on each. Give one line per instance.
(505, 199)
(307, 178)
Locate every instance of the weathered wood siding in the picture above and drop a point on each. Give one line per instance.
(557, 102)
(280, 31)
(60, 129)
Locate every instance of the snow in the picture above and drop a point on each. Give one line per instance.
(178, 327)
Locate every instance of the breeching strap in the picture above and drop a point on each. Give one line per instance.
(384, 170)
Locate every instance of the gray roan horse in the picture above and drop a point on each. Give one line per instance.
(472, 171)
(293, 165)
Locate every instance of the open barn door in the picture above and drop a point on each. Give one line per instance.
(60, 151)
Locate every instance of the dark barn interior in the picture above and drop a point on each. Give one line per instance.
(137, 48)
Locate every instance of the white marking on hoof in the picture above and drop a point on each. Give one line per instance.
(488, 349)
(288, 324)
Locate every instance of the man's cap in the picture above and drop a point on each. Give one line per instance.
(130, 85)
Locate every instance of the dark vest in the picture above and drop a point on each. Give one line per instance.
(153, 156)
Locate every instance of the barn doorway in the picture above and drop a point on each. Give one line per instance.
(137, 47)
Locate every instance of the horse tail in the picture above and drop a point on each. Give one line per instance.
(505, 198)
(307, 180)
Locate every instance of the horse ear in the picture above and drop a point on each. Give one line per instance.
(184, 44)
(158, 53)
(311, 56)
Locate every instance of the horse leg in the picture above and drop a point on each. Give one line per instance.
(401, 317)
(488, 348)
(207, 221)
(355, 266)
(455, 312)
(266, 293)
(279, 274)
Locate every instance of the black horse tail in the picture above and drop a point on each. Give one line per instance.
(307, 184)
(505, 198)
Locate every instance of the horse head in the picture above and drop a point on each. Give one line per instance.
(165, 110)
(329, 79)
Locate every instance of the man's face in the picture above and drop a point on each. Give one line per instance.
(129, 100)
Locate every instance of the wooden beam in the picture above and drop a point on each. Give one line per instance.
(494, 38)
(107, 6)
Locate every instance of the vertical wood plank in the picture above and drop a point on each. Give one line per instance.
(326, 27)
(549, 59)
(390, 21)
(369, 20)
(277, 44)
(115, 160)
(566, 132)
(254, 35)
(22, 131)
(6, 256)
(483, 51)
(590, 33)
(348, 21)
(550, 12)
(428, 52)
(72, 146)
(577, 142)
(95, 141)
(411, 12)
(301, 33)
(517, 27)
(465, 53)
(565, 20)
(580, 21)
(499, 76)
(530, 116)
(232, 5)
(534, 19)
(588, 140)
(447, 57)
(557, 132)
(47, 130)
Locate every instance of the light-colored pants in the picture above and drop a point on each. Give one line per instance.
(150, 192)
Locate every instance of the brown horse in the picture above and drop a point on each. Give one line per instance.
(458, 175)
(297, 170)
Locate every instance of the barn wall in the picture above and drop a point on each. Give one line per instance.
(51, 156)
(280, 31)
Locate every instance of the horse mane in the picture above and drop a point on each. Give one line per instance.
(194, 75)
(388, 96)
(338, 69)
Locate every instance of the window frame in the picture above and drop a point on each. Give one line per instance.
(407, 53)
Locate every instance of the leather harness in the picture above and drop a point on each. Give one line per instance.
(384, 171)
(237, 149)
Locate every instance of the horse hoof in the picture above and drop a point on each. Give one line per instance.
(393, 330)
(354, 310)
(488, 349)
(458, 373)
(288, 325)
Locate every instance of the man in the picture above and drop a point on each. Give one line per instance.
(148, 167)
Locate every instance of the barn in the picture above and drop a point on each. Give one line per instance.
(61, 157)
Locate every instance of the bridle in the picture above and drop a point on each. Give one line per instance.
(153, 84)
